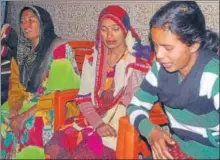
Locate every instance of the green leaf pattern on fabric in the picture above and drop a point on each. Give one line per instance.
(30, 122)
(3, 154)
(24, 137)
(51, 115)
(8, 139)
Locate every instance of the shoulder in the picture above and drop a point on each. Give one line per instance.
(210, 72)
(212, 66)
(154, 69)
(145, 62)
(209, 83)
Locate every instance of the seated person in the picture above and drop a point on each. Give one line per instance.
(110, 76)
(24, 124)
(9, 41)
(185, 78)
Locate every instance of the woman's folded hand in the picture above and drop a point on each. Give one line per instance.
(105, 130)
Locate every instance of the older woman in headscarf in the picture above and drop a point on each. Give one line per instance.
(110, 76)
(25, 126)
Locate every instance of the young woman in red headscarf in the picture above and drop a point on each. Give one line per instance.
(110, 76)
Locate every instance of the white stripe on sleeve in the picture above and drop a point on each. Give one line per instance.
(137, 113)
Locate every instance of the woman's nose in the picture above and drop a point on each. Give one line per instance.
(26, 24)
(160, 53)
(109, 34)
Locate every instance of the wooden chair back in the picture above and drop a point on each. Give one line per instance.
(81, 48)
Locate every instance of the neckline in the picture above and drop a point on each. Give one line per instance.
(110, 66)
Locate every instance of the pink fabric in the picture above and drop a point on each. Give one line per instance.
(176, 152)
(68, 144)
(93, 141)
(34, 134)
(60, 52)
(4, 50)
(83, 152)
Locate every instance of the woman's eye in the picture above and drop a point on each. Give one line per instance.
(31, 20)
(168, 48)
(116, 29)
(103, 29)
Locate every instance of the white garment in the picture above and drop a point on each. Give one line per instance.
(120, 109)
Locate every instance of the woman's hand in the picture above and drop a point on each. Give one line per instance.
(105, 130)
(15, 109)
(17, 122)
(159, 140)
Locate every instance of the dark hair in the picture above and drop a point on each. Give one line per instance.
(186, 20)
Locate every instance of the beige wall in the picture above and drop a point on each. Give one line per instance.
(77, 20)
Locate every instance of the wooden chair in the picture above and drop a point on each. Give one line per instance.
(129, 143)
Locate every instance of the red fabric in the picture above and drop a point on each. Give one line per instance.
(4, 50)
(5, 35)
(120, 16)
(60, 52)
(114, 10)
(68, 144)
(71, 139)
(83, 152)
(35, 134)
(177, 153)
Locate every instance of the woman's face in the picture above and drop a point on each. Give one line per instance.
(30, 25)
(172, 53)
(111, 34)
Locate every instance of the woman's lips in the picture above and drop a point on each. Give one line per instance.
(166, 65)
(27, 30)
(111, 42)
